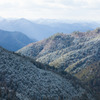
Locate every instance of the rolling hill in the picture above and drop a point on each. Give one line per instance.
(13, 40)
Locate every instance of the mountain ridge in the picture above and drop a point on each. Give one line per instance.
(73, 54)
(13, 40)
(40, 31)
(30, 82)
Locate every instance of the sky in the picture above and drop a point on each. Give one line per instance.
(51, 9)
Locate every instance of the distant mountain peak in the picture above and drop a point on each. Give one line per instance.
(40, 31)
(13, 40)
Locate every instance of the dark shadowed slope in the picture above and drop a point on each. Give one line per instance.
(13, 40)
(24, 76)
(91, 76)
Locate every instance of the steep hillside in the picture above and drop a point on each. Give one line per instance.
(73, 53)
(13, 40)
(41, 48)
(59, 48)
(24, 76)
(91, 76)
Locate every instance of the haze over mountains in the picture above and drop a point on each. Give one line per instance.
(50, 50)
(42, 29)
(57, 59)
(77, 53)
(13, 40)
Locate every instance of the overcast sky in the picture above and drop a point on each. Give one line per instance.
(51, 9)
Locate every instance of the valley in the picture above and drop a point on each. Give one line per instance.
(77, 54)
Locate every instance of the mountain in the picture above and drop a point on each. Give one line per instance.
(77, 53)
(91, 76)
(13, 40)
(40, 31)
(60, 44)
(30, 80)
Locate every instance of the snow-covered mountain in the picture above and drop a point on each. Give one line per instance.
(31, 80)
(74, 53)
